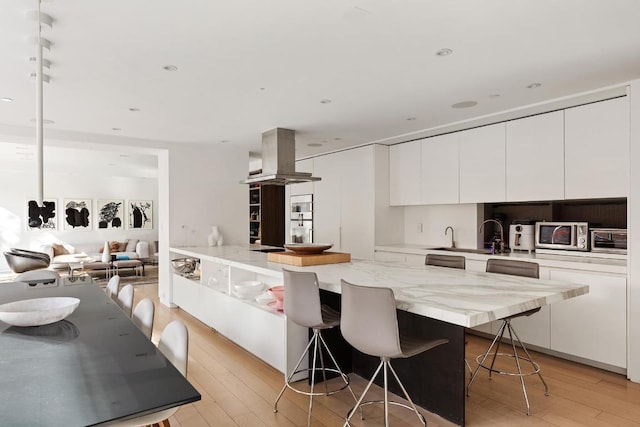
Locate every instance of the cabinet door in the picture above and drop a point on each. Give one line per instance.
(482, 164)
(594, 325)
(535, 158)
(597, 150)
(326, 200)
(404, 174)
(305, 165)
(357, 213)
(440, 171)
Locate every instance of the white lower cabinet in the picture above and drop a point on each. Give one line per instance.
(265, 333)
(592, 326)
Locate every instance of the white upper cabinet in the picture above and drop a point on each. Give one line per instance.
(440, 179)
(482, 164)
(597, 150)
(404, 174)
(535, 158)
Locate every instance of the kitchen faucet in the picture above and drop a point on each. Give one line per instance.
(500, 249)
(453, 242)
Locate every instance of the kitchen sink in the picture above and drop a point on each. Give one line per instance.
(463, 250)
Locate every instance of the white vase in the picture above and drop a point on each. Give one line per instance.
(215, 238)
(106, 252)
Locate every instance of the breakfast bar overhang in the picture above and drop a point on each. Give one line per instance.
(432, 301)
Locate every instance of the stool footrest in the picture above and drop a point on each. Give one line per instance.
(536, 367)
(344, 384)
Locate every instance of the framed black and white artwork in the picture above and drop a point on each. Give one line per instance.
(140, 214)
(77, 214)
(42, 217)
(110, 213)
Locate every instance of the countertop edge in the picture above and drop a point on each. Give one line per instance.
(594, 264)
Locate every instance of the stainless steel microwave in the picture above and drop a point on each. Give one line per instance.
(609, 240)
(569, 236)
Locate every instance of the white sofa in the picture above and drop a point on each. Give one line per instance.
(62, 254)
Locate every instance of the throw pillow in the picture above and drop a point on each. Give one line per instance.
(131, 245)
(122, 247)
(59, 249)
(114, 246)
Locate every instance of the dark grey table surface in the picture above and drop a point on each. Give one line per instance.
(94, 367)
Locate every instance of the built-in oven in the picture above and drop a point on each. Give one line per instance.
(302, 219)
(568, 236)
(609, 240)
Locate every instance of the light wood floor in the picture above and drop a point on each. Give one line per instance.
(238, 390)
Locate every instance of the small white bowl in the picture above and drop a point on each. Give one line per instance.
(248, 289)
(37, 311)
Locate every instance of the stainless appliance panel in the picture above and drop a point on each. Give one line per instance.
(609, 240)
(301, 227)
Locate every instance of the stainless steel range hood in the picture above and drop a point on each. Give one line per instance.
(279, 160)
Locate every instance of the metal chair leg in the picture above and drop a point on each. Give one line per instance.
(384, 365)
(318, 343)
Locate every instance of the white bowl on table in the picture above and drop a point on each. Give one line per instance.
(37, 311)
(248, 289)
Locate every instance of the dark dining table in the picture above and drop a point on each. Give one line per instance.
(93, 368)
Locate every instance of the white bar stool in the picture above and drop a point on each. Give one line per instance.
(514, 268)
(302, 306)
(370, 324)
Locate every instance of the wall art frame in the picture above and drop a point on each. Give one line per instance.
(110, 214)
(140, 214)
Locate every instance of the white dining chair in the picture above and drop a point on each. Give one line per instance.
(42, 274)
(125, 299)
(113, 287)
(143, 315)
(174, 344)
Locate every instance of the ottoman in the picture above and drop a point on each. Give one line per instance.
(135, 264)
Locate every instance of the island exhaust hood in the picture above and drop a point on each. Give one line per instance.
(279, 160)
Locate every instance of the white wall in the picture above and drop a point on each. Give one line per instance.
(19, 188)
(200, 187)
(434, 220)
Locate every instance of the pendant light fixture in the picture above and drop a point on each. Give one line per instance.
(39, 213)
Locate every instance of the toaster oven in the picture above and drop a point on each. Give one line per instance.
(609, 240)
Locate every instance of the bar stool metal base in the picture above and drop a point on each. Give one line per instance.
(385, 364)
(316, 341)
(506, 325)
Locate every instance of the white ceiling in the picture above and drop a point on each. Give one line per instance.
(246, 66)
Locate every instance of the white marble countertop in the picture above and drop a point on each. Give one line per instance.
(579, 261)
(455, 296)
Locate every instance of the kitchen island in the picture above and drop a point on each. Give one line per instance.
(432, 302)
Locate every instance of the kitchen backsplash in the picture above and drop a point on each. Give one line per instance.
(425, 225)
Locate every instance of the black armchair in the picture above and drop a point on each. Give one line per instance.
(21, 260)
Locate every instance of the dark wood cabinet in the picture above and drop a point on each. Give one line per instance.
(266, 214)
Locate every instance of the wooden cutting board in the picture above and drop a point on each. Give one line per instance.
(302, 260)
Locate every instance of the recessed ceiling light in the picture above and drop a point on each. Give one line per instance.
(45, 121)
(464, 104)
(134, 109)
(337, 139)
(170, 68)
(116, 129)
(444, 52)
(325, 101)
(534, 85)
(224, 141)
(314, 144)
(6, 99)
(262, 88)
(411, 118)
(124, 155)
(494, 96)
